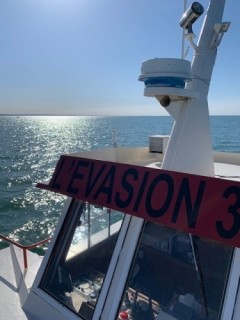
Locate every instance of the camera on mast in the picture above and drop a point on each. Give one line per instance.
(191, 15)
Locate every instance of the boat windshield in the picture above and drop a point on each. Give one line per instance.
(81, 256)
(175, 276)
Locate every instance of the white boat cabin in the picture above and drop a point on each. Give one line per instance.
(104, 263)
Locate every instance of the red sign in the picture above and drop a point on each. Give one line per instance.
(203, 206)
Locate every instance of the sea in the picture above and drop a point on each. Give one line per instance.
(30, 147)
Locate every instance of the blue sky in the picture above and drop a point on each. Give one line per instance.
(84, 56)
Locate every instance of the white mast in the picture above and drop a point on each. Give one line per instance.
(183, 89)
(190, 148)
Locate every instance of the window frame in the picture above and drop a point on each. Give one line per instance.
(69, 217)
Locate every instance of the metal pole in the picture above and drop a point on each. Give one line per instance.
(25, 258)
(183, 33)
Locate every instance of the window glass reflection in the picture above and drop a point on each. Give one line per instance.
(81, 257)
(175, 276)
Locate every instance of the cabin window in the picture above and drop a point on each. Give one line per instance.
(80, 259)
(175, 276)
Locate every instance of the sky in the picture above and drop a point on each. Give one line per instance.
(83, 57)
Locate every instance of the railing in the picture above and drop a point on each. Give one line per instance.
(24, 248)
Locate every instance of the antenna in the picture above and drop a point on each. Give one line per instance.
(183, 33)
(114, 138)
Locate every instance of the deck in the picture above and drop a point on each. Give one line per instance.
(15, 282)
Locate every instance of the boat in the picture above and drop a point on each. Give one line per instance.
(146, 232)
